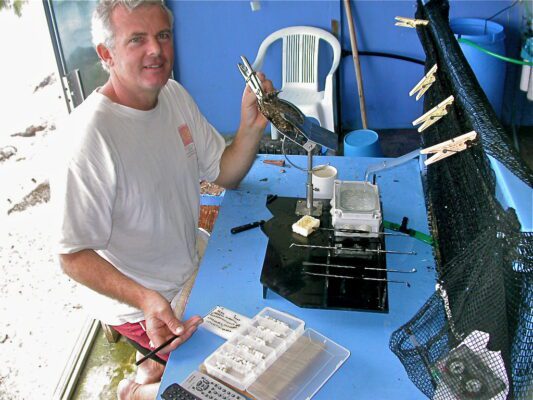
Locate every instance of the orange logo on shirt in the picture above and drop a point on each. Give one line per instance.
(185, 134)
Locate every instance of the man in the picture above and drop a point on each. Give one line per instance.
(130, 194)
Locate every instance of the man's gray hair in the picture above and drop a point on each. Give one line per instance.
(102, 29)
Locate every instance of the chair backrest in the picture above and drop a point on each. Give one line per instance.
(300, 55)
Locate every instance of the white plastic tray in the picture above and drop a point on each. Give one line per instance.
(254, 347)
(274, 358)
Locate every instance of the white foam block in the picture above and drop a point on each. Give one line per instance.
(306, 225)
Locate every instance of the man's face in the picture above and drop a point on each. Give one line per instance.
(143, 54)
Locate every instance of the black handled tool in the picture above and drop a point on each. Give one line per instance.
(159, 348)
(271, 198)
(243, 228)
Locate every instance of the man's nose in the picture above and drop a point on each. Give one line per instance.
(154, 47)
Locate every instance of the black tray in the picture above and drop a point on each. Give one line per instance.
(284, 273)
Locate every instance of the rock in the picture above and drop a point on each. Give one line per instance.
(41, 194)
(6, 152)
(30, 131)
(45, 82)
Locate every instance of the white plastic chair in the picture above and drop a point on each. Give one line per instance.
(300, 72)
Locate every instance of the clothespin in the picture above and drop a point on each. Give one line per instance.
(434, 114)
(410, 22)
(425, 83)
(449, 147)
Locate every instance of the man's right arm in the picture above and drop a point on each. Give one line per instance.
(93, 271)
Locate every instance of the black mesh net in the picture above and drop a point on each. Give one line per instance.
(474, 337)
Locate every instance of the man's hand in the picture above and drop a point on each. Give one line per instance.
(239, 155)
(251, 117)
(161, 323)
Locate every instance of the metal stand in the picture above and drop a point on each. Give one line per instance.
(312, 133)
(309, 207)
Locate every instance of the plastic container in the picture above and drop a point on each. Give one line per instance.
(254, 347)
(489, 70)
(274, 358)
(323, 178)
(362, 143)
(319, 358)
(356, 205)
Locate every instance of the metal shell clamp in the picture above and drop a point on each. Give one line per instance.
(294, 126)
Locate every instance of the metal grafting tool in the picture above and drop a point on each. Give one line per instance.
(251, 78)
(306, 263)
(279, 113)
(352, 249)
(364, 278)
(363, 232)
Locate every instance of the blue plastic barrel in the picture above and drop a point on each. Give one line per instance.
(489, 70)
(362, 143)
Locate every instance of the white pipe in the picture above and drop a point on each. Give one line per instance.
(530, 89)
(525, 78)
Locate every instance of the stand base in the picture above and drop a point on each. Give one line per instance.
(301, 208)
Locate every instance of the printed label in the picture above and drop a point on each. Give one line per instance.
(186, 138)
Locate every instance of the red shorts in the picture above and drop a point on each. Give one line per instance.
(137, 333)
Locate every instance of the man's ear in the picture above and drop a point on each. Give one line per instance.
(105, 54)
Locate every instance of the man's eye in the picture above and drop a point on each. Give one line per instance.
(164, 35)
(136, 39)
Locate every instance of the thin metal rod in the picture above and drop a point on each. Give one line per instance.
(364, 232)
(353, 277)
(309, 184)
(354, 250)
(413, 270)
(357, 66)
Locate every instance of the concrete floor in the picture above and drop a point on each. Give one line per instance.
(107, 365)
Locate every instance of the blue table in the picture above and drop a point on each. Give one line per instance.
(230, 271)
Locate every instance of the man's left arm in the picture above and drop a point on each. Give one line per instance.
(238, 157)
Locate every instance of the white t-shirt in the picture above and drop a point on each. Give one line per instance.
(131, 191)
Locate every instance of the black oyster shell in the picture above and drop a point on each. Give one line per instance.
(272, 107)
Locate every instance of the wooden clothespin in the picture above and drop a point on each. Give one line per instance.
(449, 147)
(410, 22)
(425, 83)
(434, 114)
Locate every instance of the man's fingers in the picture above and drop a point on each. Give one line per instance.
(266, 84)
(187, 333)
(196, 320)
(175, 326)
